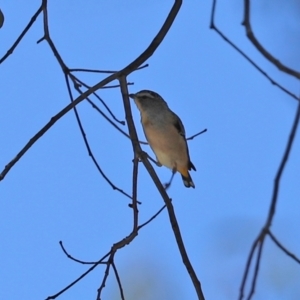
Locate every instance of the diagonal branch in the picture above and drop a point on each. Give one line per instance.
(78, 82)
(259, 69)
(259, 241)
(18, 40)
(284, 249)
(259, 46)
(118, 280)
(87, 145)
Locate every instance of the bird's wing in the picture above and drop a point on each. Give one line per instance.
(178, 125)
(180, 128)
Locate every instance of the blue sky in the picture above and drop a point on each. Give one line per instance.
(55, 192)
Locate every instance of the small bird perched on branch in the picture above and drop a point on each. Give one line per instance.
(165, 134)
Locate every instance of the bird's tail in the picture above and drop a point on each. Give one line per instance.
(187, 180)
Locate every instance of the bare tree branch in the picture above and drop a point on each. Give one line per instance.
(284, 249)
(259, 69)
(259, 241)
(106, 273)
(259, 46)
(79, 278)
(90, 152)
(152, 218)
(195, 135)
(102, 71)
(118, 280)
(76, 80)
(23, 33)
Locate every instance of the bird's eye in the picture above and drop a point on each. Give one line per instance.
(144, 97)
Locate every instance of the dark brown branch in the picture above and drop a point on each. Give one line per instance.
(266, 229)
(113, 86)
(78, 260)
(106, 273)
(75, 80)
(195, 135)
(49, 40)
(259, 69)
(92, 71)
(101, 112)
(118, 280)
(247, 268)
(103, 71)
(134, 194)
(259, 46)
(257, 264)
(87, 145)
(1, 18)
(18, 40)
(259, 241)
(100, 261)
(79, 278)
(152, 218)
(120, 244)
(281, 168)
(285, 250)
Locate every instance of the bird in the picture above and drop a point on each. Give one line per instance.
(165, 134)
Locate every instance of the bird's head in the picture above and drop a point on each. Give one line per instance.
(145, 98)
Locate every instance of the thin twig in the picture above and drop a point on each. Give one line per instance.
(259, 241)
(102, 71)
(282, 165)
(115, 86)
(79, 278)
(75, 80)
(87, 145)
(266, 229)
(257, 264)
(195, 135)
(75, 259)
(152, 218)
(47, 38)
(259, 46)
(284, 249)
(100, 261)
(18, 40)
(259, 69)
(106, 273)
(118, 280)
(102, 113)
(134, 194)
(247, 268)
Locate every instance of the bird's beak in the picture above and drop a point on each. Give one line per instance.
(131, 96)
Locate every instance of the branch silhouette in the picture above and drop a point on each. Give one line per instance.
(247, 58)
(258, 243)
(259, 46)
